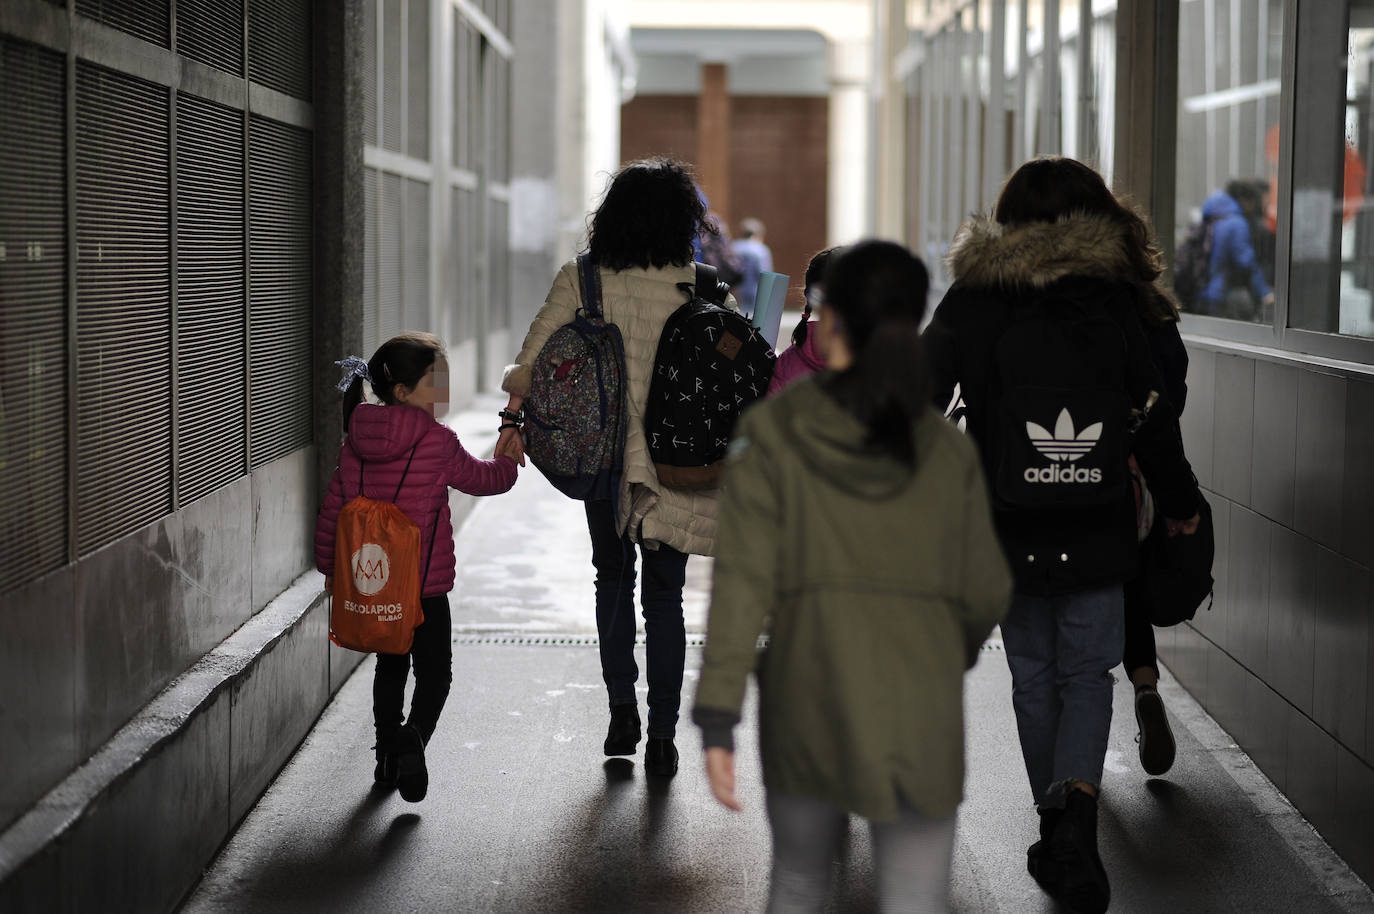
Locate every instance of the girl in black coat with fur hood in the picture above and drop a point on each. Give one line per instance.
(1042, 332)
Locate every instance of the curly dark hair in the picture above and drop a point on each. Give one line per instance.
(1048, 188)
(651, 212)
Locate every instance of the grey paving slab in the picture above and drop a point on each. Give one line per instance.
(526, 815)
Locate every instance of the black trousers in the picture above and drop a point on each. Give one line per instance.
(665, 635)
(1140, 634)
(432, 653)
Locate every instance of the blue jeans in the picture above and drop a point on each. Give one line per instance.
(1061, 650)
(665, 634)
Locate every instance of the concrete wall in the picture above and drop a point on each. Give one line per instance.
(1283, 448)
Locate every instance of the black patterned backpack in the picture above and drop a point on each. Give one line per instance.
(711, 363)
(575, 410)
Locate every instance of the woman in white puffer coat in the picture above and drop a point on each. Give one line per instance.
(641, 242)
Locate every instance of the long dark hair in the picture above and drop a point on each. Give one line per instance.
(815, 273)
(648, 217)
(878, 291)
(1049, 188)
(403, 359)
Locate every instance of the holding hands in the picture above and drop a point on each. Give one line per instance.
(512, 443)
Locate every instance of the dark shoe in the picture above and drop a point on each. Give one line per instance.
(1155, 738)
(412, 778)
(385, 772)
(1042, 867)
(1082, 880)
(660, 757)
(623, 734)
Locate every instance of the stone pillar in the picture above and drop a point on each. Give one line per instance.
(847, 212)
(339, 213)
(713, 138)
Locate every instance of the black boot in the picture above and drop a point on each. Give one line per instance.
(1039, 863)
(623, 734)
(1083, 886)
(412, 778)
(660, 757)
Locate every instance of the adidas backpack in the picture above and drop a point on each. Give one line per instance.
(1061, 416)
(711, 363)
(575, 411)
(375, 589)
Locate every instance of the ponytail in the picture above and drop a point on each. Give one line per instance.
(887, 388)
(353, 395)
(799, 334)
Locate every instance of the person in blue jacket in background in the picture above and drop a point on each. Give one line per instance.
(1236, 286)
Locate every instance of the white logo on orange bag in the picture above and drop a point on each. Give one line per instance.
(371, 569)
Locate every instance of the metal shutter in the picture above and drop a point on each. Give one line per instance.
(33, 321)
(280, 314)
(460, 257)
(279, 45)
(498, 256)
(148, 19)
(370, 326)
(389, 259)
(211, 31)
(124, 416)
(417, 79)
(463, 108)
(393, 101)
(369, 74)
(416, 239)
(211, 381)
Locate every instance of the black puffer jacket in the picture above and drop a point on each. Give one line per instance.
(1055, 549)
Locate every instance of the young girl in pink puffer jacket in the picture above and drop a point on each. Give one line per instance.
(399, 452)
(806, 355)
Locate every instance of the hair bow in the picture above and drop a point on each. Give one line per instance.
(354, 368)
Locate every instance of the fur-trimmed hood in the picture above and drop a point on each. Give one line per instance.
(985, 253)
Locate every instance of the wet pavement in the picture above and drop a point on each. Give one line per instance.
(524, 814)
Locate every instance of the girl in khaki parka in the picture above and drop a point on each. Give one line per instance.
(854, 528)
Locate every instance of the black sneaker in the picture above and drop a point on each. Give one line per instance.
(660, 757)
(623, 734)
(1155, 738)
(412, 778)
(385, 772)
(1082, 880)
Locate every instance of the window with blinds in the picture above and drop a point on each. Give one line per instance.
(148, 19)
(211, 31)
(279, 45)
(389, 258)
(279, 288)
(210, 334)
(371, 331)
(33, 321)
(123, 325)
(415, 284)
(417, 78)
(393, 94)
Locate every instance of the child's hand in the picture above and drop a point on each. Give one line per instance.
(511, 445)
(720, 770)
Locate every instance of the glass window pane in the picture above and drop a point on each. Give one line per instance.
(1228, 84)
(1355, 308)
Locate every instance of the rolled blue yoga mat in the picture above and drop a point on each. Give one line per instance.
(768, 304)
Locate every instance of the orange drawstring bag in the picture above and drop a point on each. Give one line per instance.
(375, 590)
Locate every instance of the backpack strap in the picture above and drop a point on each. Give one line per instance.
(362, 463)
(589, 278)
(708, 284)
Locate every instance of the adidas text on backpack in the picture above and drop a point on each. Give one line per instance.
(711, 363)
(576, 409)
(375, 588)
(1061, 427)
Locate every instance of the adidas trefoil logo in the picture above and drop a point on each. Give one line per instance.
(1064, 446)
